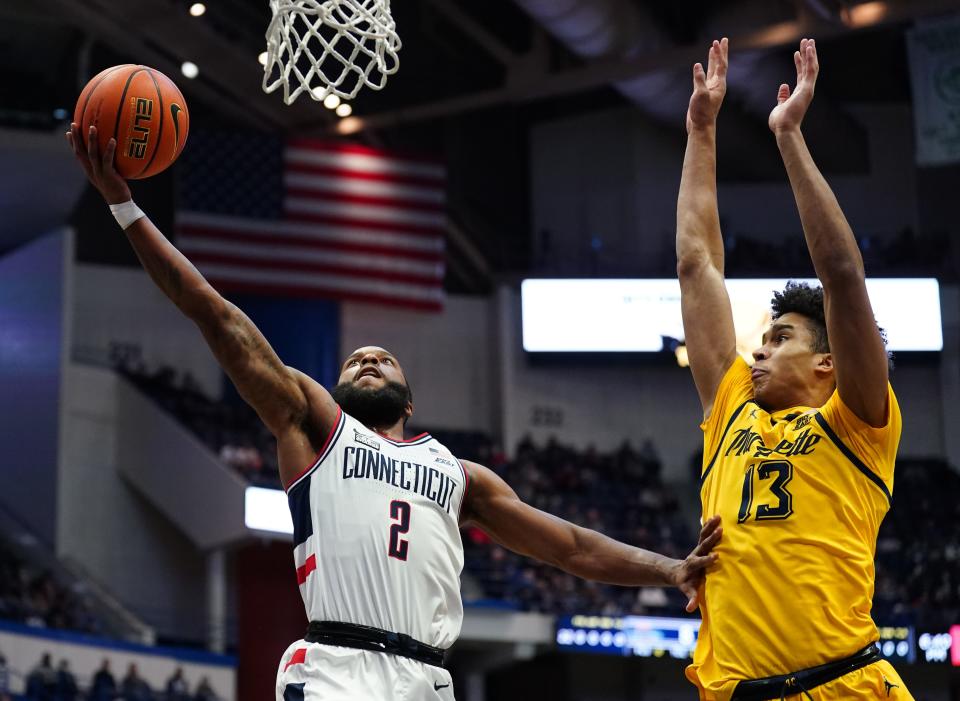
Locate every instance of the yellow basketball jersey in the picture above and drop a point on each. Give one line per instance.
(801, 493)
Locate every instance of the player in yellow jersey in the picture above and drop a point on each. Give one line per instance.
(799, 450)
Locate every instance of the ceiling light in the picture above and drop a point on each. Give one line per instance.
(318, 93)
(344, 110)
(262, 58)
(331, 101)
(197, 9)
(189, 69)
(864, 14)
(350, 125)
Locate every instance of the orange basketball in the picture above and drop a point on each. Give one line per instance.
(143, 110)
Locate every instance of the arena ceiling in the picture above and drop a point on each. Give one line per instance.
(457, 56)
(475, 75)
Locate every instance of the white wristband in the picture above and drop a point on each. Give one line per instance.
(126, 213)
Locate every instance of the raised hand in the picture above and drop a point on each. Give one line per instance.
(99, 169)
(690, 573)
(791, 108)
(708, 88)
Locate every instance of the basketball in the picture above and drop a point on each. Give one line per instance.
(143, 110)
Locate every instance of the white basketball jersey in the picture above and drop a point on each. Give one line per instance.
(376, 533)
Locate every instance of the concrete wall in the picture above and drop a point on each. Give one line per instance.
(448, 358)
(176, 472)
(604, 185)
(919, 392)
(119, 311)
(31, 329)
(879, 203)
(605, 179)
(113, 532)
(39, 183)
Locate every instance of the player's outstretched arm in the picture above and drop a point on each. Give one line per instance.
(287, 401)
(707, 317)
(494, 507)
(859, 356)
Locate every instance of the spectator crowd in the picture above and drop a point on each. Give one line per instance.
(35, 598)
(918, 549)
(46, 683)
(620, 494)
(904, 254)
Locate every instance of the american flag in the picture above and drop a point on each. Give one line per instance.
(312, 218)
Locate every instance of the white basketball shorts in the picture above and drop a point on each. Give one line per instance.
(316, 672)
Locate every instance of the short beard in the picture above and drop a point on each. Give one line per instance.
(374, 408)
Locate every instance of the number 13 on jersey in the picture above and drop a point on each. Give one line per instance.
(772, 476)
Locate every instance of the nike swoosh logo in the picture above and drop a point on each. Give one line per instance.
(175, 111)
(437, 687)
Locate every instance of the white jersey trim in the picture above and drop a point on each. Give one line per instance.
(327, 448)
(466, 486)
(416, 440)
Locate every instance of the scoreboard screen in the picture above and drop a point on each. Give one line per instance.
(940, 646)
(632, 315)
(648, 636)
(897, 643)
(640, 636)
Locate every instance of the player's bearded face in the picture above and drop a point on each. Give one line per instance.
(376, 407)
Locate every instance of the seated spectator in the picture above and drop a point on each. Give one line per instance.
(650, 460)
(205, 692)
(104, 686)
(133, 687)
(4, 679)
(42, 680)
(652, 597)
(177, 689)
(37, 599)
(228, 455)
(66, 683)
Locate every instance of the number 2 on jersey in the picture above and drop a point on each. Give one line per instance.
(399, 512)
(782, 472)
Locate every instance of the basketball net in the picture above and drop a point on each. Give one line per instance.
(329, 47)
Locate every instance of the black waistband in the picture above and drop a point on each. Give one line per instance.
(803, 680)
(369, 638)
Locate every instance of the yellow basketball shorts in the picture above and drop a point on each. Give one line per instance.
(875, 681)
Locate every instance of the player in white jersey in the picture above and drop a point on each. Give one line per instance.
(376, 517)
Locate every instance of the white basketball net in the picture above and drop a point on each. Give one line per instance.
(331, 47)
